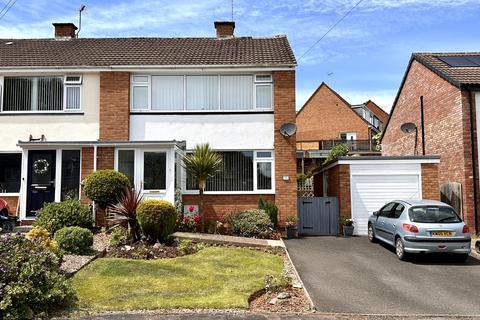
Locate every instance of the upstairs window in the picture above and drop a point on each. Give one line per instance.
(243, 92)
(39, 94)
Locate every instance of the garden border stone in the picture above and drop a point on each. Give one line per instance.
(229, 240)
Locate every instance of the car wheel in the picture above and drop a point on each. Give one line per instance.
(400, 249)
(371, 233)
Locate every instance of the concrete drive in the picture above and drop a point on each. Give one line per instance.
(352, 275)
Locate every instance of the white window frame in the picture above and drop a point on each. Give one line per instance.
(66, 84)
(255, 190)
(148, 84)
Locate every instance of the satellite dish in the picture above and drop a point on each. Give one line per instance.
(288, 129)
(408, 127)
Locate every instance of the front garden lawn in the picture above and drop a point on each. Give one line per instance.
(215, 277)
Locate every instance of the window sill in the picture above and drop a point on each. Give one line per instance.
(9, 194)
(194, 192)
(43, 113)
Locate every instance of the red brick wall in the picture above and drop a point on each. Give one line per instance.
(114, 106)
(105, 158)
(87, 168)
(430, 186)
(12, 203)
(338, 185)
(217, 206)
(447, 129)
(285, 148)
(326, 115)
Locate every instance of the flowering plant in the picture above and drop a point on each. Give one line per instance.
(291, 221)
(188, 223)
(346, 222)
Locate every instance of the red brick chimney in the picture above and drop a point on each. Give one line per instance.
(64, 30)
(224, 28)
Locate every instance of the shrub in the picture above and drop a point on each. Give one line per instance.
(68, 213)
(252, 223)
(31, 284)
(105, 186)
(42, 237)
(188, 247)
(270, 208)
(75, 240)
(118, 237)
(337, 151)
(157, 219)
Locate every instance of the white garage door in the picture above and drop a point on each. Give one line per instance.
(370, 192)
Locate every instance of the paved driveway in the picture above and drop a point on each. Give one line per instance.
(352, 275)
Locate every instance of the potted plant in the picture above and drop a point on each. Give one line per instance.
(347, 226)
(291, 226)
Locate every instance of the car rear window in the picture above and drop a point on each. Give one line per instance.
(433, 214)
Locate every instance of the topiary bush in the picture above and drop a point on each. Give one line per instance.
(75, 240)
(157, 219)
(105, 186)
(31, 284)
(68, 213)
(252, 223)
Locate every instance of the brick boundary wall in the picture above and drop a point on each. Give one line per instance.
(114, 106)
(285, 148)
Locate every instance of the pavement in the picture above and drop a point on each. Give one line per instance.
(257, 316)
(352, 275)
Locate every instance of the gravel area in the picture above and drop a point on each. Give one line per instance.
(100, 242)
(72, 263)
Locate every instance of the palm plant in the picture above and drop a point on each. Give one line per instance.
(202, 164)
(127, 208)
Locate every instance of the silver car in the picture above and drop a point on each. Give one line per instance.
(420, 226)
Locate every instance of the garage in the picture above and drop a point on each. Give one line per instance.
(364, 184)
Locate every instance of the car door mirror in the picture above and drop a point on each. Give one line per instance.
(376, 213)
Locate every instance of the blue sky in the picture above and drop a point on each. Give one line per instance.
(363, 58)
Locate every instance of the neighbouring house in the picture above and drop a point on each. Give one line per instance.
(326, 120)
(72, 105)
(439, 97)
(363, 185)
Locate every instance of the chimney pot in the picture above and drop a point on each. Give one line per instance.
(224, 28)
(64, 30)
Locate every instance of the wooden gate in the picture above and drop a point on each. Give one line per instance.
(318, 216)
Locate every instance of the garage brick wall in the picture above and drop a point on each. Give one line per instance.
(325, 115)
(447, 129)
(338, 185)
(430, 188)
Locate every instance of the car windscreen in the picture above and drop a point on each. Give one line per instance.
(433, 214)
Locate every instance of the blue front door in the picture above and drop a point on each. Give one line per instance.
(41, 180)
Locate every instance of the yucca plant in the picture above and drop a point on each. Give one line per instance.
(202, 164)
(127, 208)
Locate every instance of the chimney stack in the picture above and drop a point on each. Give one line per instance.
(224, 28)
(64, 31)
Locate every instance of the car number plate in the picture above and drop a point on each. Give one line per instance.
(441, 233)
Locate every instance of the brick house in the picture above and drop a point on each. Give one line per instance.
(326, 119)
(438, 94)
(71, 106)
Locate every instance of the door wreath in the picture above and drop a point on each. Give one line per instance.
(40, 166)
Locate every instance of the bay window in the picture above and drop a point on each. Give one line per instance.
(242, 171)
(213, 92)
(41, 93)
